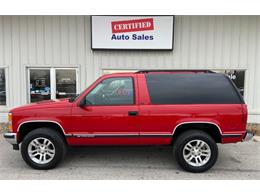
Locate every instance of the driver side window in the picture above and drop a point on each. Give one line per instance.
(112, 91)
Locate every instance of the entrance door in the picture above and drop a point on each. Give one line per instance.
(51, 83)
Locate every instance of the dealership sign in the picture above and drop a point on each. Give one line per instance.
(132, 32)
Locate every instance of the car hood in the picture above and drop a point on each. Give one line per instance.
(42, 104)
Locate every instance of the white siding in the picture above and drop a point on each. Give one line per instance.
(200, 42)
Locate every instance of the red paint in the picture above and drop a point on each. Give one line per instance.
(132, 25)
(154, 125)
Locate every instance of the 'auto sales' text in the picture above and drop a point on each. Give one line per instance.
(137, 37)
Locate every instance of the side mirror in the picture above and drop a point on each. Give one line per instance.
(82, 103)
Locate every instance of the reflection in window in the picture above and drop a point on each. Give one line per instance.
(112, 91)
(2, 87)
(237, 76)
(40, 85)
(65, 83)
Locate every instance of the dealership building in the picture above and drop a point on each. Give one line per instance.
(50, 57)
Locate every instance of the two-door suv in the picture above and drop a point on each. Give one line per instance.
(189, 110)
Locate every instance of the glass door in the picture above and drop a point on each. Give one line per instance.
(66, 83)
(52, 83)
(40, 84)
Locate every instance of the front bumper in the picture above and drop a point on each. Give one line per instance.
(11, 138)
(248, 136)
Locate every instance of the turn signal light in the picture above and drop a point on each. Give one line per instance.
(10, 126)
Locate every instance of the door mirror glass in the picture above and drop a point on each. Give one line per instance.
(112, 91)
(82, 103)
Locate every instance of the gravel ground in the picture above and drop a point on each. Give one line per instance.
(3, 127)
(236, 161)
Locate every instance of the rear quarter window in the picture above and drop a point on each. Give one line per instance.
(200, 88)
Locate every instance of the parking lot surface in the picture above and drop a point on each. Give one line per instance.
(236, 161)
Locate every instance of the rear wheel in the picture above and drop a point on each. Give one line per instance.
(43, 148)
(195, 151)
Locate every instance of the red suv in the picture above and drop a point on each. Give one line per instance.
(189, 110)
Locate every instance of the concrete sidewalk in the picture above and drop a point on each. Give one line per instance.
(236, 161)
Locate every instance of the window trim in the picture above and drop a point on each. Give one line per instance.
(134, 92)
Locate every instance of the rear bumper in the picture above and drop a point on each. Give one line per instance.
(11, 138)
(248, 136)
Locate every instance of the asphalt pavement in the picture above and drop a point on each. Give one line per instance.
(236, 161)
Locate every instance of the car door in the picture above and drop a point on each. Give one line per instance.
(109, 114)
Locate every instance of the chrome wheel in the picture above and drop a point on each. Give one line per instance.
(41, 150)
(196, 153)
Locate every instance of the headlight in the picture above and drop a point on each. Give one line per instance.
(10, 126)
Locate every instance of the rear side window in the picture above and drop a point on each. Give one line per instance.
(191, 89)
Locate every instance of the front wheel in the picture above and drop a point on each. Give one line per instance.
(195, 151)
(43, 148)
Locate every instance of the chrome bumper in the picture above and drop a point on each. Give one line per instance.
(248, 136)
(11, 138)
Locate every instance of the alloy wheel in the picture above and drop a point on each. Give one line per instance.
(196, 153)
(41, 150)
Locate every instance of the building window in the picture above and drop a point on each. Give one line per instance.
(2, 87)
(66, 83)
(40, 85)
(52, 83)
(238, 78)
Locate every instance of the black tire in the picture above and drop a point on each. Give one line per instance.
(184, 139)
(54, 137)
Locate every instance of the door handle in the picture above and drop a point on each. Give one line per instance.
(132, 113)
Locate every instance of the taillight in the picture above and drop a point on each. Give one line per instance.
(10, 118)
